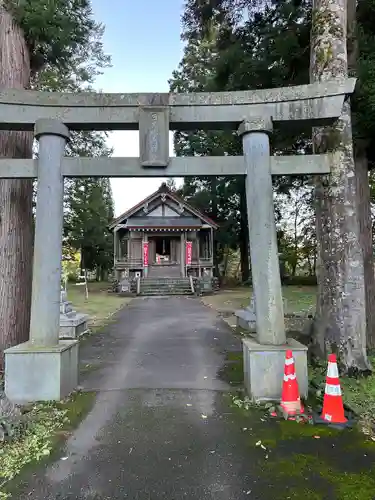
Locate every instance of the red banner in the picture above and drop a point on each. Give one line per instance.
(189, 252)
(145, 254)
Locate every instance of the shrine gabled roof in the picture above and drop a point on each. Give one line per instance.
(172, 196)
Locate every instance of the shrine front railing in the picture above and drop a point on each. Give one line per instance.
(124, 263)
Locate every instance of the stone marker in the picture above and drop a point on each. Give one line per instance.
(246, 318)
(72, 324)
(124, 287)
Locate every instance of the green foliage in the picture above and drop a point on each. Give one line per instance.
(70, 270)
(254, 44)
(33, 444)
(58, 32)
(267, 50)
(66, 54)
(89, 210)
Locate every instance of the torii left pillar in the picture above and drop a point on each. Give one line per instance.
(45, 368)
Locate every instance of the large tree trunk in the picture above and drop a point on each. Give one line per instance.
(363, 185)
(341, 311)
(365, 226)
(244, 235)
(16, 225)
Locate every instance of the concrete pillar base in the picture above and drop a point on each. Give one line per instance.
(264, 368)
(41, 373)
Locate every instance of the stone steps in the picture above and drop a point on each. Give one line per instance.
(165, 286)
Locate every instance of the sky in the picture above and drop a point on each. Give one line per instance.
(143, 39)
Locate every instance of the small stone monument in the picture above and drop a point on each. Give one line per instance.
(124, 287)
(72, 324)
(246, 318)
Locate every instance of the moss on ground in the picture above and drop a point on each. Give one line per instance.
(232, 371)
(77, 407)
(323, 477)
(308, 461)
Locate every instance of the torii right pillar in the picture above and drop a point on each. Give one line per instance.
(264, 354)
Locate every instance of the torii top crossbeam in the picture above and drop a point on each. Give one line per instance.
(318, 102)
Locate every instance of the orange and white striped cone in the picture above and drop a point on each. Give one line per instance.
(333, 406)
(290, 398)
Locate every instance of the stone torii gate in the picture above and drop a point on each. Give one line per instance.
(46, 368)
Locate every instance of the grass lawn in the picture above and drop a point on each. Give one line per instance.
(299, 299)
(100, 305)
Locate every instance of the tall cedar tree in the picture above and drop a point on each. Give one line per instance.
(341, 305)
(29, 48)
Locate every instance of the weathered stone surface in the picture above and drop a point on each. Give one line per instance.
(8, 410)
(46, 291)
(265, 267)
(256, 124)
(264, 368)
(41, 373)
(154, 136)
(177, 167)
(246, 318)
(314, 103)
(72, 324)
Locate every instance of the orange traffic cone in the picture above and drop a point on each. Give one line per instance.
(290, 398)
(333, 407)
